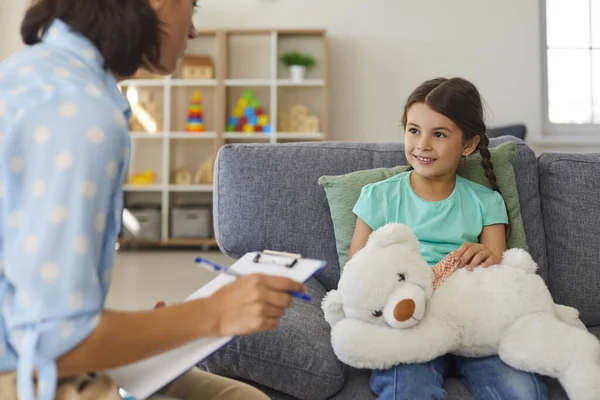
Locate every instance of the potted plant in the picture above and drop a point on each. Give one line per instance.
(298, 63)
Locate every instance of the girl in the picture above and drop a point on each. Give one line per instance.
(64, 149)
(443, 123)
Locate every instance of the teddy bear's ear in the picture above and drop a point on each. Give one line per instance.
(332, 307)
(519, 258)
(393, 233)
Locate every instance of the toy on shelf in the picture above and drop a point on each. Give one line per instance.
(205, 172)
(182, 176)
(297, 119)
(145, 178)
(195, 121)
(197, 67)
(248, 116)
(146, 115)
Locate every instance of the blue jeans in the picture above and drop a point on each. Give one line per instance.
(487, 378)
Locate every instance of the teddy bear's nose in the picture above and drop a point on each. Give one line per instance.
(404, 310)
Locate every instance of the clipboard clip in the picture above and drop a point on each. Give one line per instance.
(283, 259)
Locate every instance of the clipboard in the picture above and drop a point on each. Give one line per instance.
(144, 378)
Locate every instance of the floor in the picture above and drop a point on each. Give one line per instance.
(142, 278)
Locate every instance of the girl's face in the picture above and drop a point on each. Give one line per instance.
(177, 27)
(433, 143)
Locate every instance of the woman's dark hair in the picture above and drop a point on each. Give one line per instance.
(459, 100)
(126, 32)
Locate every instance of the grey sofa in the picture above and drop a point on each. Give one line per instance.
(267, 197)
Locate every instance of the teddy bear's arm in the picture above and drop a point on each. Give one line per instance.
(364, 345)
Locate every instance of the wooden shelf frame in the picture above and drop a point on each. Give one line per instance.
(219, 88)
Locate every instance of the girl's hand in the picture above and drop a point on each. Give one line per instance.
(473, 255)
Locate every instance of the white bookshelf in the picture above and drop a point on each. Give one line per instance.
(242, 60)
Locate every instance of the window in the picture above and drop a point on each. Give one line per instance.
(572, 96)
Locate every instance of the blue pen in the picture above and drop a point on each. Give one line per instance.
(224, 270)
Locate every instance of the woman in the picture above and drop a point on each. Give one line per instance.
(65, 149)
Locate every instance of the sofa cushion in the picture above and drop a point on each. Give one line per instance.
(570, 204)
(268, 196)
(296, 359)
(343, 193)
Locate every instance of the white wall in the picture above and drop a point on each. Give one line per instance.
(11, 14)
(382, 49)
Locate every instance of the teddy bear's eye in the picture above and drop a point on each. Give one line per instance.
(401, 277)
(377, 313)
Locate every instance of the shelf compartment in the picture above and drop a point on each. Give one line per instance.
(249, 56)
(306, 43)
(185, 106)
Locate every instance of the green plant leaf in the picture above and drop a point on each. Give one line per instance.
(296, 58)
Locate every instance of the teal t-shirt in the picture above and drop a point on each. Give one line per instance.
(441, 226)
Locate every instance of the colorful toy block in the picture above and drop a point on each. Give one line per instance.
(195, 121)
(248, 116)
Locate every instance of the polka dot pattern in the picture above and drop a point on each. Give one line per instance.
(82, 245)
(15, 219)
(93, 90)
(77, 63)
(88, 53)
(24, 299)
(39, 188)
(18, 90)
(41, 135)
(65, 183)
(25, 70)
(75, 301)
(64, 160)
(112, 169)
(100, 222)
(59, 215)
(62, 72)
(95, 135)
(50, 272)
(68, 110)
(120, 119)
(67, 329)
(89, 189)
(30, 244)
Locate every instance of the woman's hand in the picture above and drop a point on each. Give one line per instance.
(254, 303)
(473, 255)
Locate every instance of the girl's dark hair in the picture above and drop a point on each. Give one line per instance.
(459, 100)
(126, 32)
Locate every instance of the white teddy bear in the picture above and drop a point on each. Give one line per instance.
(505, 310)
